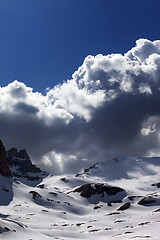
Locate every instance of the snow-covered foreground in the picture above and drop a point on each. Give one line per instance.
(58, 209)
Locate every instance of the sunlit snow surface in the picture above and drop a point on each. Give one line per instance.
(54, 211)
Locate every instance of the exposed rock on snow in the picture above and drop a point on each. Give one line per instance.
(35, 194)
(124, 207)
(4, 229)
(101, 192)
(156, 184)
(111, 200)
(153, 199)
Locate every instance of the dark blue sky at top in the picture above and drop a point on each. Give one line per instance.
(42, 42)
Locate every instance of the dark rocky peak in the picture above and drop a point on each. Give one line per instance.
(22, 167)
(23, 154)
(14, 153)
(21, 160)
(4, 166)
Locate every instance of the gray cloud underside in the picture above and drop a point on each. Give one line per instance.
(110, 107)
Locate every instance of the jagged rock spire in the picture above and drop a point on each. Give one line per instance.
(13, 152)
(4, 166)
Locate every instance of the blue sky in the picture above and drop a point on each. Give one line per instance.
(91, 117)
(43, 42)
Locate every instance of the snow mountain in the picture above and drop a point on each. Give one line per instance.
(22, 167)
(115, 199)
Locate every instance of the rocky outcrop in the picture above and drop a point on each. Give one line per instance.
(147, 200)
(4, 166)
(156, 184)
(35, 194)
(150, 200)
(125, 206)
(100, 192)
(88, 190)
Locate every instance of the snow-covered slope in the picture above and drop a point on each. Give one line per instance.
(116, 199)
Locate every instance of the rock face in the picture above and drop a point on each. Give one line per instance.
(4, 166)
(22, 166)
(14, 153)
(125, 206)
(147, 200)
(88, 190)
(100, 192)
(21, 160)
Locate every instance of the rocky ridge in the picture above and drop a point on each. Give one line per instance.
(22, 166)
(19, 165)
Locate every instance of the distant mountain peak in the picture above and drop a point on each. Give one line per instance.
(22, 167)
(21, 154)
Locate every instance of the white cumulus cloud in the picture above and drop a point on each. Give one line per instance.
(109, 107)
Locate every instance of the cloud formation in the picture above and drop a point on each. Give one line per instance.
(110, 107)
